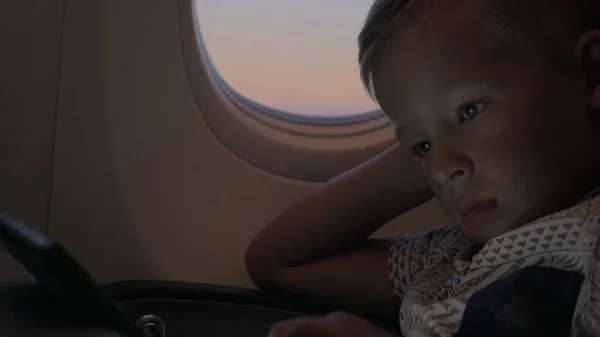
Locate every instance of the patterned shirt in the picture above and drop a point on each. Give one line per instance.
(450, 286)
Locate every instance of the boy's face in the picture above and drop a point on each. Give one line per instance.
(503, 139)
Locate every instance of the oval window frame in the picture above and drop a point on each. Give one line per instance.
(299, 147)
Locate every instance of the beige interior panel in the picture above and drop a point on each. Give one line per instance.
(141, 187)
(30, 41)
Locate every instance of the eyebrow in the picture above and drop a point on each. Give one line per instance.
(476, 84)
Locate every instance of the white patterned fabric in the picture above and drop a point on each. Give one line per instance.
(435, 273)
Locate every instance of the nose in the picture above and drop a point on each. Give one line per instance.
(449, 166)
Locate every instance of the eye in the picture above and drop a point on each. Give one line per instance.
(420, 149)
(470, 111)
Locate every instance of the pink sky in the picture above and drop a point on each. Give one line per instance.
(296, 56)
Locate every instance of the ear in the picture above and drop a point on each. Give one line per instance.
(588, 57)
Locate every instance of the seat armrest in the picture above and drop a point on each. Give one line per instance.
(131, 290)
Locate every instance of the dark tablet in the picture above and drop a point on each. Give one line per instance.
(83, 300)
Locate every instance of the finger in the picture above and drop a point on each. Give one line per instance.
(306, 329)
(347, 324)
(317, 326)
(286, 328)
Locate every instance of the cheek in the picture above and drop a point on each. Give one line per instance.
(512, 160)
(426, 167)
(525, 149)
(435, 187)
(442, 195)
(512, 139)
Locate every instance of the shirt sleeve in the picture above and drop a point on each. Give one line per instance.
(410, 254)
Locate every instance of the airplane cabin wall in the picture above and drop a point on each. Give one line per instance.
(30, 46)
(141, 187)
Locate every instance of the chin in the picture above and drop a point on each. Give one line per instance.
(505, 228)
(488, 232)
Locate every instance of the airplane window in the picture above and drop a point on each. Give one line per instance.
(296, 59)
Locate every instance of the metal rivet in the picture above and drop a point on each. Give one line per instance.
(153, 326)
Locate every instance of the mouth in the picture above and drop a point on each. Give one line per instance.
(476, 214)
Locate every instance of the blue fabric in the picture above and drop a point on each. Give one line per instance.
(534, 301)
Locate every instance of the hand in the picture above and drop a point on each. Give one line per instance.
(337, 324)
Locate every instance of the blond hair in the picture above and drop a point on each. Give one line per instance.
(545, 24)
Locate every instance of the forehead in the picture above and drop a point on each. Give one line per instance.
(449, 46)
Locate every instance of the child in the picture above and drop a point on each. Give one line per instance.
(497, 102)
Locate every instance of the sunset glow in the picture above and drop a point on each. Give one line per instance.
(295, 56)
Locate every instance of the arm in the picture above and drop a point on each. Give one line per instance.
(319, 246)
